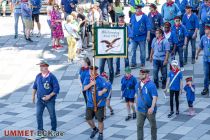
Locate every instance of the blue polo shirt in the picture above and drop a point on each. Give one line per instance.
(176, 83)
(46, 85)
(169, 12)
(83, 73)
(181, 5)
(194, 4)
(66, 4)
(180, 33)
(38, 5)
(100, 85)
(205, 13)
(205, 45)
(189, 93)
(190, 23)
(160, 48)
(156, 22)
(148, 91)
(128, 87)
(140, 27)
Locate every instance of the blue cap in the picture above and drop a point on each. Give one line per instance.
(141, 5)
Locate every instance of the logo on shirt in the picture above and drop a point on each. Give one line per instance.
(46, 85)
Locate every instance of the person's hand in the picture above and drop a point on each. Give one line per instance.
(33, 99)
(196, 57)
(100, 93)
(148, 38)
(180, 92)
(165, 62)
(92, 83)
(194, 36)
(46, 97)
(165, 90)
(150, 110)
(150, 59)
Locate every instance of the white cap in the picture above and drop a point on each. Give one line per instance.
(174, 63)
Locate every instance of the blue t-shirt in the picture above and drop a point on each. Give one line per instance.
(66, 4)
(189, 93)
(46, 85)
(205, 45)
(100, 85)
(128, 87)
(180, 33)
(83, 74)
(148, 91)
(160, 48)
(38, 5)
(176, 83)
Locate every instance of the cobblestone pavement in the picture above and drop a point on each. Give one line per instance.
(17, 72)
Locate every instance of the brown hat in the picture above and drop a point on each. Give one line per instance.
(167, 24)
(188, 79)
(177, 17)
(144, 71)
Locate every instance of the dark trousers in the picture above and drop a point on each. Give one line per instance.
(102, 62)
(180, 50)
(85, 96)
(40, 106)
(152, 36)
(206, 66)
(158, 65)
(140, 125)
(172, 93)
(118, 63)
(193, 43)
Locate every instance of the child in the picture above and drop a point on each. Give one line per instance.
(128, 84)
(56, 25)
(83, 73)
(72, 39)
(190, 93)
(108, 99)
(174, 84)
(27, 18)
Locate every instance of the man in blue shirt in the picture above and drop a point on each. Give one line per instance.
(146, 104)
(156, 21)
(205, 46)
(36, 6)
(101, 95)
(141, 32)
(181, 4)
(169, 11)
(46, 87)
(66, 6)
(180, 33)
(159, 55)
(204, 14)
(191, 22)
(17, 14)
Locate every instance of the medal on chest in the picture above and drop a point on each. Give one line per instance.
(46, 85)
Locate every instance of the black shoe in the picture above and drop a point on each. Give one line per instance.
(147, 59)
(93, 133)
(170, 114)
(133, 66)
(177, 112)
(185, 63)
(205, 91)
(117, 74)
(193, 61)
(15, 37)
(142, 65)
(163, 86)
(134, 115)
(112, 112)
(128, 118)
(100, 137)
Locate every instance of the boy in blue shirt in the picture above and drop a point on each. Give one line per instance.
(146, 104)
(205, 46)
(180, 33)
(170, 10)
(141, 27)
(47, 88)
(101, 94)
(174, 84)
(190, 94)
(128, 83)
(191, 22)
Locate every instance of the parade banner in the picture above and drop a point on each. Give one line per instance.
(110, 42)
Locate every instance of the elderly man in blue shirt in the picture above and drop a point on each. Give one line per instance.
(205, 46)
(47, 88)
(17, 14)
(159, 55)
(191, 22)
(146, 104)
(204, 14)
(141, 27)
(169, 11)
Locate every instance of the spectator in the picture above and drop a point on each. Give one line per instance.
(11, 7)
(49, 10)
(3, 4)
(17, 14)
(27, 18)
(56, 24)
(66, 6)
(36, 6)
(118, 9)
(103, 4)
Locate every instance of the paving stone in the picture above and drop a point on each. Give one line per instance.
(171, 136)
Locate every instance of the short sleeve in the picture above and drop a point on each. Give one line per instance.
(201, 43)
(86, 82)
(153, 90)
(35, 84)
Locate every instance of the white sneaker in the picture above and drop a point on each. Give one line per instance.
(61, 41)
(38, 34)
(182, 68)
